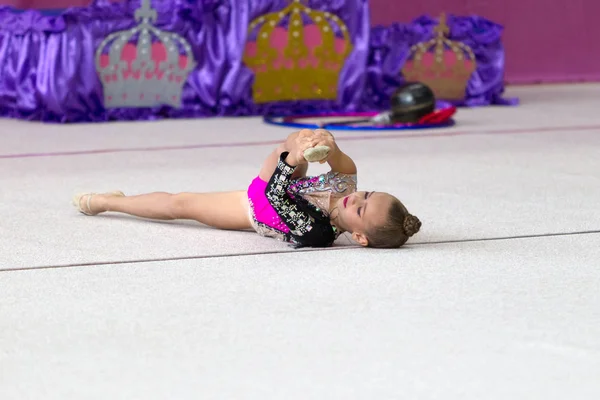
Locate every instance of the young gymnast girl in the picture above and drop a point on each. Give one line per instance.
(282, 202)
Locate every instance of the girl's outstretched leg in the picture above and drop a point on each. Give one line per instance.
(223, 210)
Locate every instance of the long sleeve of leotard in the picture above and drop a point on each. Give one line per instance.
(304, 229)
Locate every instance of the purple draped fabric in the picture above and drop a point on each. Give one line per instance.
(47, 69)
(390, 46)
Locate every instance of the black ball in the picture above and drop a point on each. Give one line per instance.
(410, 102)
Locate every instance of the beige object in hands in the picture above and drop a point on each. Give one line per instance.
(317, 153)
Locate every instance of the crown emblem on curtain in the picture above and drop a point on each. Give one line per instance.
(442, 64)
(143, 66)
(298, 54)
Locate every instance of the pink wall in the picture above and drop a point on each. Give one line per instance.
(563, 47)
(39, 4)
(23, 4)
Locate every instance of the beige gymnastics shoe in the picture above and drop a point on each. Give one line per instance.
(317, 153)
(78, 197)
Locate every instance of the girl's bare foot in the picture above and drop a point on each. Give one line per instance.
(93, 203)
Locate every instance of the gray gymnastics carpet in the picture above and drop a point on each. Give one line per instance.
(501, 172)
(494, 320)
(496, 298)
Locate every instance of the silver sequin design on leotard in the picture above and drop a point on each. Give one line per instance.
(319, 190)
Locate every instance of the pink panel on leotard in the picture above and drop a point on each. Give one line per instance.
(263, 211)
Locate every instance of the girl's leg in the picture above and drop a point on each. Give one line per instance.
(223, 210)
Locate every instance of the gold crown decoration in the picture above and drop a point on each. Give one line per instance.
(442, 64)
(298, 60)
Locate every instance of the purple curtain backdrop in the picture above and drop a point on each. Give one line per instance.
(389, 49)
(545, 40)
(48, 68)
(48, 71)
(559, 47)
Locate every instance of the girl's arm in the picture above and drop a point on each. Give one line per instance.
(337, 160)
(341, 162)
(278, 197)
(304, 229)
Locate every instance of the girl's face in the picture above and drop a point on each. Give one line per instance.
(361, 211)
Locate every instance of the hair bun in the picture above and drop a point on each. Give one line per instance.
(411, 225)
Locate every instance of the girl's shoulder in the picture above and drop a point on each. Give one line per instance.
(330, 181)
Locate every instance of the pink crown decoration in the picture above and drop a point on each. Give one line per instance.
(444, 65)
(298, 54)
(143, 66)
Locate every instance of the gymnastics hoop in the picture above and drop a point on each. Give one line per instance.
(443, 113)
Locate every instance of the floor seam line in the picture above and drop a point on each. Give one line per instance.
(403, 135)
(247, 254)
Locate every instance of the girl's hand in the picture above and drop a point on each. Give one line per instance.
(325, 138)
(305, 139)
